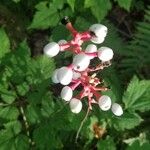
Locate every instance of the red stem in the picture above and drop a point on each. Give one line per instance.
(70, 66)
(86, 36)
(100, 88)
(75, 85)
(80, 95)
(96, 94)
(64, 46)
(94, 54)
(71, 29)
(89, 102)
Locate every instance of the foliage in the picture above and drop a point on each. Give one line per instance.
(32, 115)
(137, 55)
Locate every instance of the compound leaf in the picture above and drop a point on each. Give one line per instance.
(45, 16)
(136, 97)
(127, 121)
(126, 4)
(107, 144)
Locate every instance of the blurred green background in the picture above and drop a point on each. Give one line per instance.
(32, 115)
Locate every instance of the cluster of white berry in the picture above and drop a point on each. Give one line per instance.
(78, 72)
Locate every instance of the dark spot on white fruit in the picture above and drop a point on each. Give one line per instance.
(78, 67)
(92, 34)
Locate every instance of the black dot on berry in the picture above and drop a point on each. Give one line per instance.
(92, 34)
(78, 67)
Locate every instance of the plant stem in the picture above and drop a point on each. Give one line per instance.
(81, 125)
(26, 126)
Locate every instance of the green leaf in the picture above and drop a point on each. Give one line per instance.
(16, 1)
(136, 145)
(49, 140)
(7, 135)
(13, 126)
(113, 39)
(111, 77)
(23, 88)
(71, 4)
(57, 33)
(126, 121)
(99, 8)
(17, 64)
(45, 16)
(107, 144)
(41, 69)
(33, 114)
(126, 4)
(13, 142)
(4, 43)
(142, 138)
(9, 113)
(67, 12)
(23, 50)
(137, 51)
(58, 4)
(22, 142)
(34, 97)
(8, 96)
(136, 97)
(88, 3)
(8, 144)
(82, 24)
(48, 105)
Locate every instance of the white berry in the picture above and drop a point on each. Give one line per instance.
(104, 102)
(105, 53)
(117, 109)
(54, 76)
(51, 49)
(91, 48)
(65, 75)
(99, 30)
(66, 93)
(76, 75)
(62, 42)
(97, 40)
(75, 105)
(81, 62)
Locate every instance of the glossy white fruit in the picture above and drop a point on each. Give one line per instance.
(81, 62)
(91, 48)
(117, 109)
(75, 105)
(65, 75)
(105, 53)
(99, 30)
(51, 49)
(104, 102)
(54, 76)
(66, 93)
(97, 40)
(76, 75)
(62, 42)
